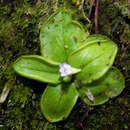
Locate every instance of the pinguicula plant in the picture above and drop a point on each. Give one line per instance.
(74, 65)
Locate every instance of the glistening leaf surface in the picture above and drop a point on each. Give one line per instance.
(58, 101)
(94, 58)
(38, 68)
(59, 36)
(109, 86)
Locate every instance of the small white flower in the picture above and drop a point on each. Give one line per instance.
(66, 69)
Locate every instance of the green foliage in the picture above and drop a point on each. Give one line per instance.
(60, 36)
(92, 58)
(58, 101)
(21, 40)
(38, 68)
(95, 57)
(106, 87)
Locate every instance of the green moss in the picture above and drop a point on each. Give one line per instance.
(19, 35)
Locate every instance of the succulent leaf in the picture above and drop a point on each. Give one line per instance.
(59, 36)
(58, 101)
(38, 68)
(94, 57)
(109, 86)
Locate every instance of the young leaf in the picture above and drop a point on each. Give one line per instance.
(38, 68)
(59, 36)
(94, 58)
(109, 86)
(58, 101)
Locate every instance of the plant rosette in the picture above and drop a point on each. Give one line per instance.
(74, 65)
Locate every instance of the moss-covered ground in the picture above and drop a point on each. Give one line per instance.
(20, 21)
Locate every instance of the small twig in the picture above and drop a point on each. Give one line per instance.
(82, 4)
(85, 116)
(96, 17)
(6, 91)
(91, 6)
(86, 113)
(115, 26)
(51, 7)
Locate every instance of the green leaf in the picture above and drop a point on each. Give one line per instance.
(57, 101)
(109, 86)
(38, 68)
(59, 36)
(95, 57)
